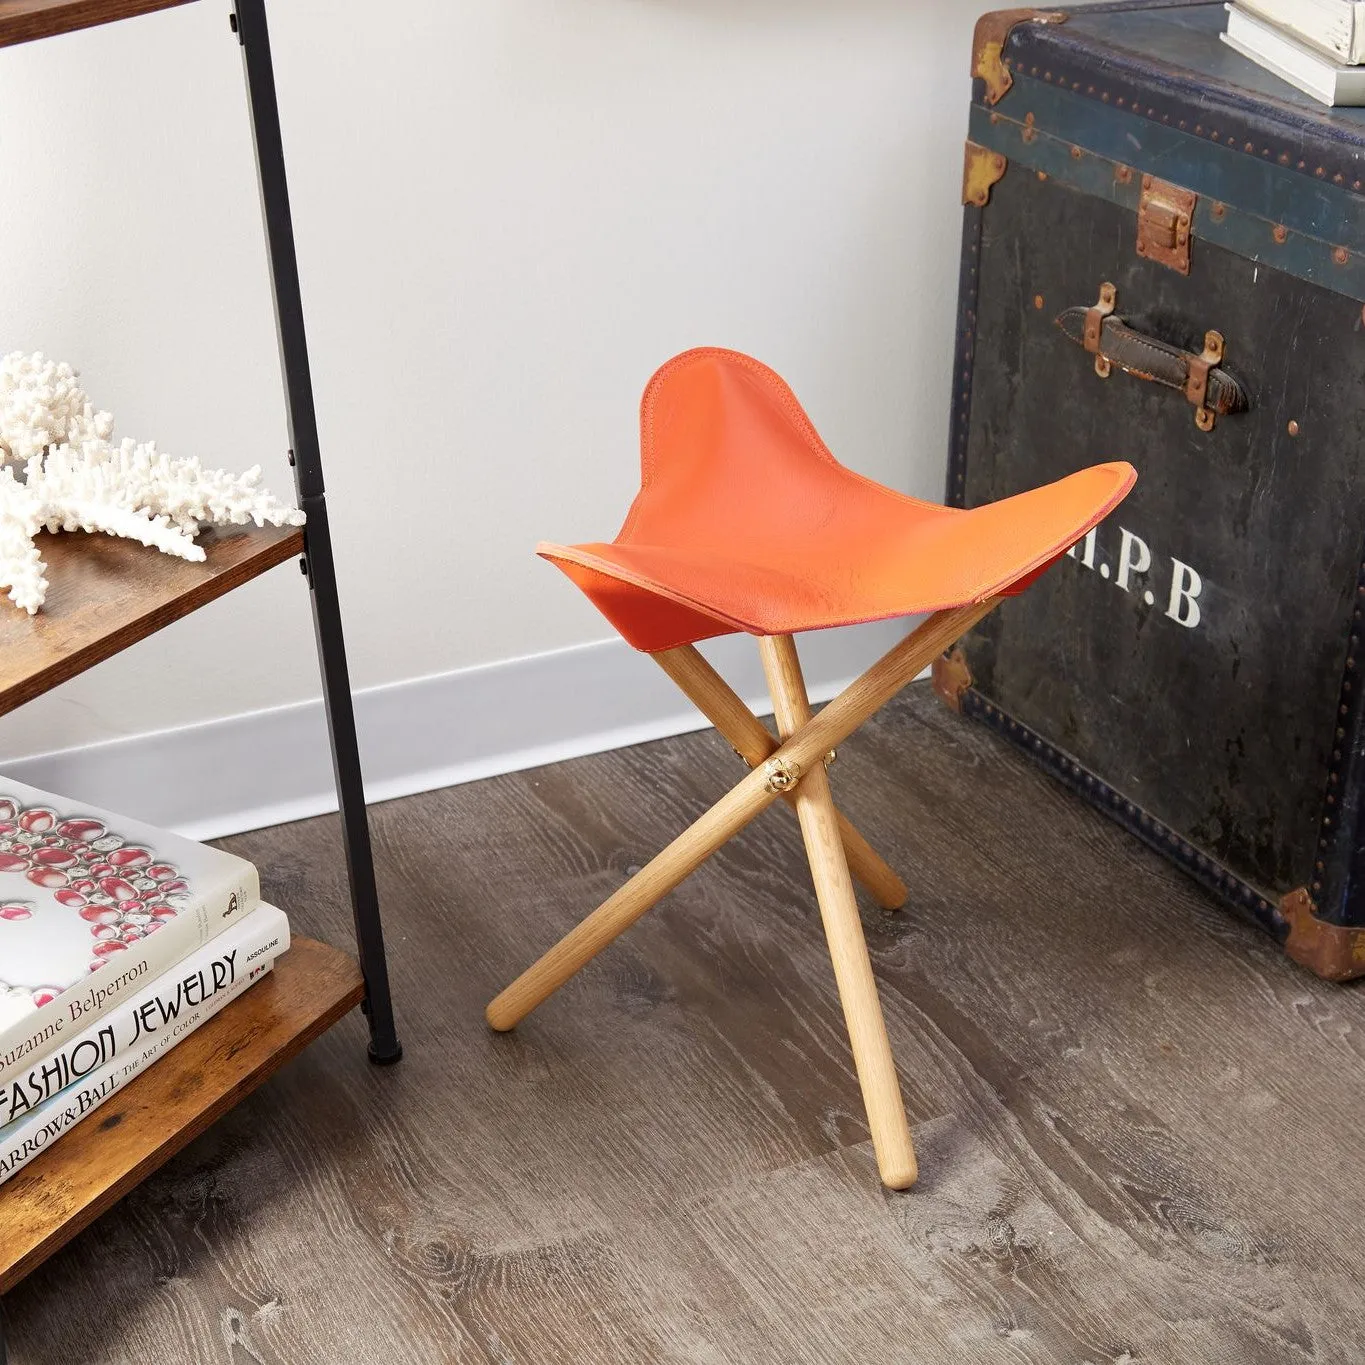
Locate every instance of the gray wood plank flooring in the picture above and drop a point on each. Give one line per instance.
(1139, 1126)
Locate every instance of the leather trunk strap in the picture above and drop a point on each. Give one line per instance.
(1148, 358)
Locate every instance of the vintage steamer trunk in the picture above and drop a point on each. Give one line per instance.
(1164, 262)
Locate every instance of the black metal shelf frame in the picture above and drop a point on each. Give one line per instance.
(248, 21)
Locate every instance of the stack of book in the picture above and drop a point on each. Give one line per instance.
(117, 941)
(1316, 45)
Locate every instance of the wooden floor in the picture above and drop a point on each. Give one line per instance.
(1140, 1128)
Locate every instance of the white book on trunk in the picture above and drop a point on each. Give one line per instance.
(1335, 26)
(1294, 61)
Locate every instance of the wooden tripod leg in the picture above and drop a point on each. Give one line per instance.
(801, 753)
(750, 739)
(847, 947)
(616, 914)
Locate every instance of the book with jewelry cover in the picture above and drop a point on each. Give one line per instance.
(93, 907)
(163, 1004)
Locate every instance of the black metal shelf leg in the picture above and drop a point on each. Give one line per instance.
(249, 23)
(336, 686)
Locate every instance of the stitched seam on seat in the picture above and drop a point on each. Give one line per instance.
(784, 395)
(786, 398)
(608, 568)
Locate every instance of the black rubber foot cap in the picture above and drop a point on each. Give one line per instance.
(386, 1058)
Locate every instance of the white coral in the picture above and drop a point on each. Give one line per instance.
(21, 566)
(41, 403)
(75, 479)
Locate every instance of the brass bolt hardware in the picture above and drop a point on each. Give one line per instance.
(1293, 427)
(1281, 233)
(1341, 255)
(831, 756)
(782, 776)
(1038, 301)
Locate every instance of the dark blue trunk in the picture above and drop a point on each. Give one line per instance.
(1193, 669)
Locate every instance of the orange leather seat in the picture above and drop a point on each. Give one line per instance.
(746, 522)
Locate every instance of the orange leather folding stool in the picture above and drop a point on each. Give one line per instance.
(745, 522)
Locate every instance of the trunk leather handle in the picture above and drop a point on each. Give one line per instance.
(1209, 388)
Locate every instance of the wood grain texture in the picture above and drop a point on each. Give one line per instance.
(1137, 1124)
(23, 20)
(838, 903)
(107, 594)
(66, 1188)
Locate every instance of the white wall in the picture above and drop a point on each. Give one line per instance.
(507, 214)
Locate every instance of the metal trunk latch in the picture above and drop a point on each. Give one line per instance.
(1165, 213)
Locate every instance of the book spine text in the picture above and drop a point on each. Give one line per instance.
(44, 1030)
(25, 1139)
(261, 935)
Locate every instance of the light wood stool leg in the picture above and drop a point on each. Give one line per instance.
(750, 739)
(616, 914)
(803, 752)
(843, 930)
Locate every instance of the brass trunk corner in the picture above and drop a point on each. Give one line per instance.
(1335, 952)
(988, 45)
(981, 168)
(951, 678)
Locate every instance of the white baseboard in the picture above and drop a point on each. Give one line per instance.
(269, 767)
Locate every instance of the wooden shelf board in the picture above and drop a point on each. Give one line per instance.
(107, 594)
(97, 1162)
(23, 20)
